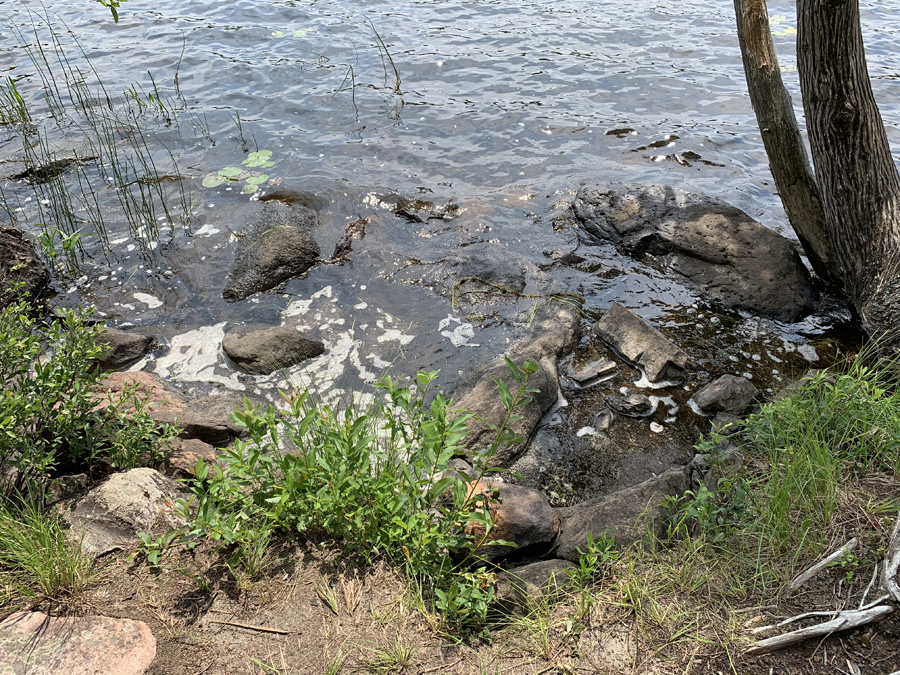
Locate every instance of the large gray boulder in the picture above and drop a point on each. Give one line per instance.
(38, 644)
(714, 247)
(520, 588)
(260, 351)
(19, 264)
(625, 515)
(277, 246)
(641, 344)
(108, 517)
(552, 335)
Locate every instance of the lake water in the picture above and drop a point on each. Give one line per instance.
(503, 106)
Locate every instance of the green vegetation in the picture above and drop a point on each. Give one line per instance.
(376, 483)
(50, 417)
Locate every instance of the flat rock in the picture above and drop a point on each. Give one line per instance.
(276, 247)
(552, 335)
(519, 588)
(641, 344)
(207, 418)
(37, 644)
(728, 394)
(630, 405)
(121, 348)
(260, 351)
(20, 264)
(625, 515)
(521, 515)
(712, 246)
(108, 517)
(184, 455)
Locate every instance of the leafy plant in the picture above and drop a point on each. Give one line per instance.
(375, 482)
(594, 561)
(49, 413)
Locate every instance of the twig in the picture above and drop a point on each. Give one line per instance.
(262, 629)
(806, 615)
(821, 565)
(844, 621)
(440, 667)
(891, 563)
(869, 587)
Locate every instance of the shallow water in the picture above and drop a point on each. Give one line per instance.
(503, 107)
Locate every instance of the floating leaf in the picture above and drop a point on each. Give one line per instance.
(231, 172)
(303, 31)
(275, 181)
(258, 158)
(248, 189)
(777, 19)
(278, 34)
(213, 180)
(267, 165)
(257, 180)
(786, 31)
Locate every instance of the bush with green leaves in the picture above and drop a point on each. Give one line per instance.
(377, 483)
(50, 420)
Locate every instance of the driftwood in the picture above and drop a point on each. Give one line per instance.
(821, 565)
(261, 629)
(843, 621)
(806, 615)
(892, 563)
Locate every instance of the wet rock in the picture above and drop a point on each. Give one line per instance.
(207, 418)
(277, 247)
(553, 334)
(107, 517)
(487, 263)
(121, 348)
(521, 515)
(625, 514)
(19, 264)
(519, 588)
(640, 343)
(37, 644)
(729, 394)
(714, 247)
(593, 373)
(184, 454)
(631, 405)
(260, 351)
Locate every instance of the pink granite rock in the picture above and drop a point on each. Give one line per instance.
(37, 644)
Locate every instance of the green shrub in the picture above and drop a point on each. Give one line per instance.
(375, 482)
(49, 418)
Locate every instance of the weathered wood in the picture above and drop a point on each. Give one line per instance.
(891, 564)
(788, 160)
(843, 621)
(821, 565)
(859, 186)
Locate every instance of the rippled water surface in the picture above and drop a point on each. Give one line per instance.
(504, 107)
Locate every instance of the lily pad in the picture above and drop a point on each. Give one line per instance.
(212, 180)
(231, 172)
(278, 34)
(249, 189)
(257, 180)
(259, 158)
(301, 32)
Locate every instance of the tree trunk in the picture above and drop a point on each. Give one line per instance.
(858, 182)
(788, 160)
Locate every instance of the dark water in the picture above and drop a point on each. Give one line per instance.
(504, 107)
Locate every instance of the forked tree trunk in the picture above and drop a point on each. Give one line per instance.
(856, 235)
(858, 181)
(788, 160)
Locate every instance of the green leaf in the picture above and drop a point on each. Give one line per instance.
(213, 180)
(248, 190)
(230, 172)
(257, 180)
(278, 34)
(258, 158)
(301, 32)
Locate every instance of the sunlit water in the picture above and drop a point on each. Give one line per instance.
(503, 106)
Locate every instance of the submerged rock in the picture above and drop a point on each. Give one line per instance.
(260, 351)
(38, 644)
(278, 246)
(19, 264)
(631, 405)
(641, 343)
(625, 514)
(716, 248)
(108, 517)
